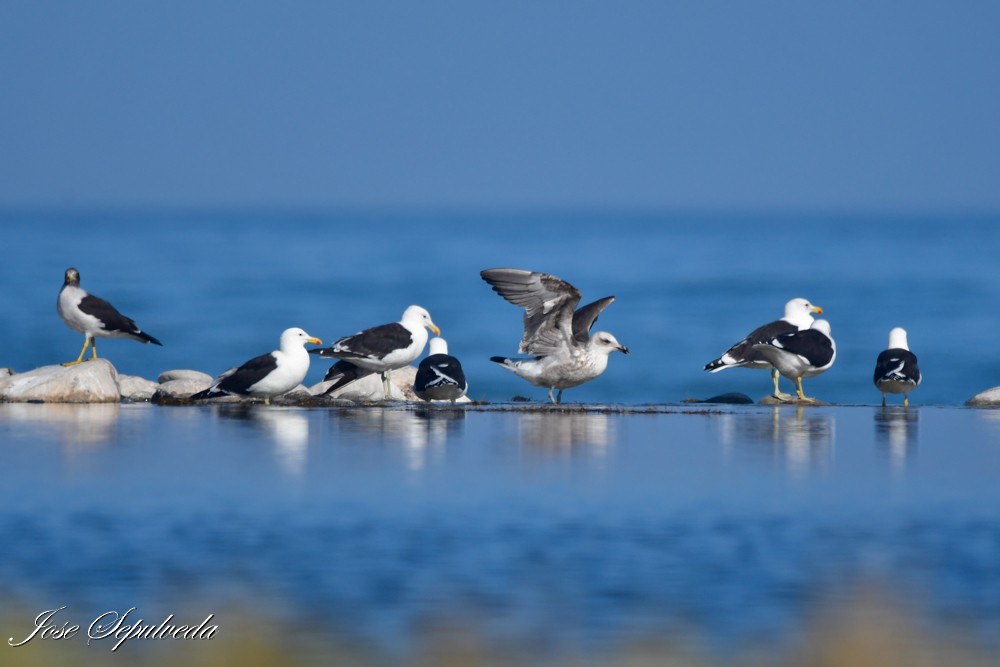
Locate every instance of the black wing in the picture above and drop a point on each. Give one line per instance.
(743, 351)
(343, 373)
(439, 370)
(815, 346)
(897, 365)
(112, 320)
(248, 374)
(374, 343)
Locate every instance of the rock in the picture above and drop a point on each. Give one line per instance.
(181, 388)
(134, 388)
(5, 372)
(196, 376)
(369, 388)
(771, 400)
(732, 398)
(94, 381)
(988, 397)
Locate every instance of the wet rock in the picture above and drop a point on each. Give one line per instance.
(771, 400)
(134, 388)
(181, 374)
(988, 397)
(731, 398)
(94, 381)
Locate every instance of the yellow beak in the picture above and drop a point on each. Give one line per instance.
(817, 310)
(314, 341)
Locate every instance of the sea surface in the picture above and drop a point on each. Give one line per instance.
(627, 516)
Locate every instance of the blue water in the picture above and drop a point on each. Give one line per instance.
(558, 532)
(218, 288)
(552, 531)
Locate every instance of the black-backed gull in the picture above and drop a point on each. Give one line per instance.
(386, 347)
(566, 354)
(270, 374)
(439, 375)
(93, 317)
(798, 316)
(896, 369)
(801, 354)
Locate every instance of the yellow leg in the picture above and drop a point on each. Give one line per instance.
(780, 395)
(798, 390)
(86, 342)
(906, 401)
(93, 347)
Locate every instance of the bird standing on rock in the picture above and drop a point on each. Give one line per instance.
(566, 354)
(93, 317)
(801, 354)
(386, 347)
(270, 374)
(797, 317)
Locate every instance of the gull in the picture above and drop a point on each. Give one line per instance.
(440, 376)
(896, 369)
(565, 353)
(93, 317)
(386, 347)
(270, 374)
(801, 354)
(797, 317)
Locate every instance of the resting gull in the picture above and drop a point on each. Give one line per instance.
(386, 347)
(896, 370)
(439, 376)
(93, 317)
(270, 374)
(801, 354)
(798, 316)
(566, 354)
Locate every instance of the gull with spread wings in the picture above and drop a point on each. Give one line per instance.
(565, 353)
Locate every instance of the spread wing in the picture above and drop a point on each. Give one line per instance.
(548, 304)
(584, 318)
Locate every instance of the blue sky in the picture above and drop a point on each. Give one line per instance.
(849, 106)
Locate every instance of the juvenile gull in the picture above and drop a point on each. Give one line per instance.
(270, 374)
(566, 354)
(386, 347)
(798, 317)
(93, 317)
(896, 369)
(801, 354)
(440, 376)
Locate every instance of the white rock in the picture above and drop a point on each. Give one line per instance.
(94, 381)
(369, 388)
(988, 397)
(181, 374)
(134, 388)
(181, 388)
(5, 372)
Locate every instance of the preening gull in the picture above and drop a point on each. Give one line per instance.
(798, 317)
(801, 354)
(386, 347)
(566, 354)
(93, 317)
(896, 369)
(439, 376)
(270, 374)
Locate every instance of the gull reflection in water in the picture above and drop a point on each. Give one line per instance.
(75, 425)
(896, 430)
(423, 433)
(802, 440)
(288, 428)
(567, 433)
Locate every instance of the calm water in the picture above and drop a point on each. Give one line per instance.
(542, 530)
(219, 288)
(553, 531)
